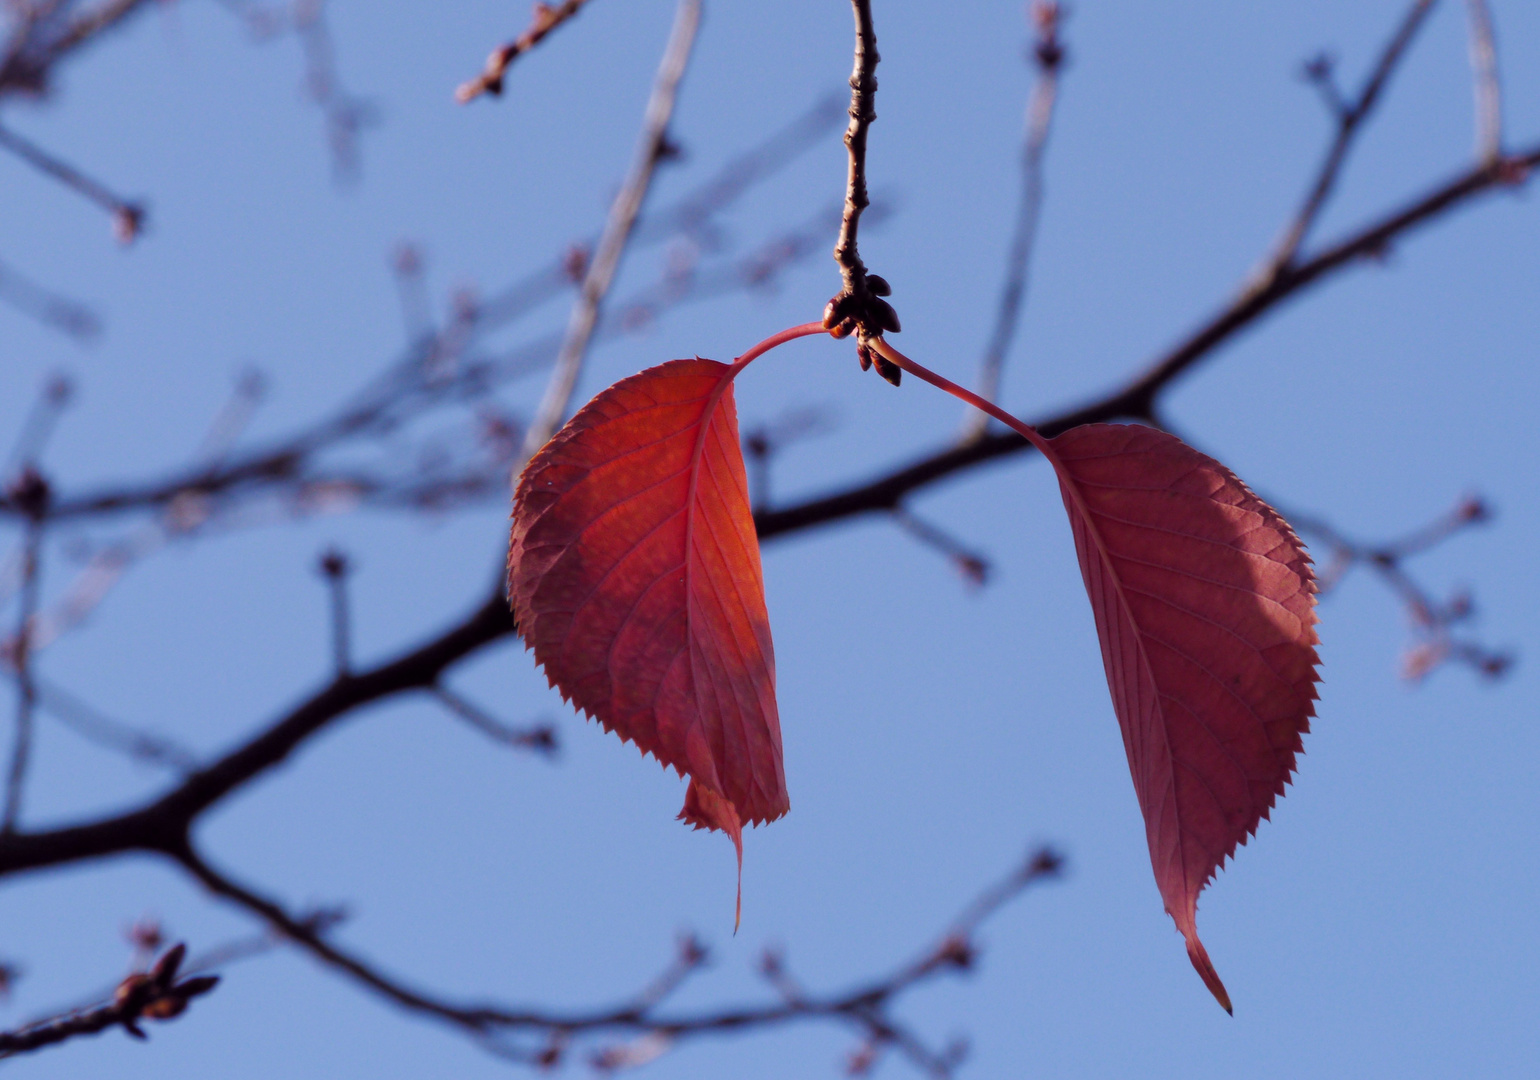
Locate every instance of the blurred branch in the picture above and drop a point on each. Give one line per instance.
(346, 115)
(31, 491)
(541, 737)
(1488, 87)
(973, 566)
(67, 316)
(127, 217)
(864, 1009)
(1434, 624)
(45, 33)
(651, 148)
(1349, 118)
(1048, 53)
(490, 81)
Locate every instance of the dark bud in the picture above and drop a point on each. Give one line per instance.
(29, 492)
(887, 318)
(865, 355)
(1045, 863)
(888, 370)
(188, 989)
(878, 285)
(333, 564)
(165, 1008)
(1495, 667)
(957, 951)
(668, 150)
(1474, 509)
(128, 222)
(165, 969)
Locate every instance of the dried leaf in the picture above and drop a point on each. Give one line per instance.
(1205, 606)
(634, 575)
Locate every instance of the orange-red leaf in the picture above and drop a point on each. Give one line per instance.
(1204, 603)
(634, 575)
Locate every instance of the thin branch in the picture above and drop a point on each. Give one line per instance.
(32, 491)
(490, 81)
(91, 724)
(1349, 119)
(863, 1008)
(1434, 624)
(858, 308)
(153, 995)
(41, 420)
(1135, 398)
(1048, 53)
(651, 148)
(541, 737)
(334, 568)
(973, 566)
(1488, 86)
(31, 57)
(67, 316)
(127, 217)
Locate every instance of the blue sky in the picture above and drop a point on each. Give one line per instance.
(1382, 923)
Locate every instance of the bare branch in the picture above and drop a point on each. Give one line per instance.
(41, 420)
(59, 312)
(31, 491)
(651, 148)
(490, 81)
(858, 308)
(127, 217)
(863, 1009)
(1134, 399)
(334, 567)
(91, 724)
(541, 737)
(40, 44)
(154, 995)
(1349, 119)
(1488, 87)
(1434, 623)
(973, 566)
(1048, 52)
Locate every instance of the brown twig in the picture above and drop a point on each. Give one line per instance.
(1488, 86)
(153, 995)
(651, 148)
(1134, 399)
(1048, 54)
(858, 308)
(490, 81)
(863, 1008)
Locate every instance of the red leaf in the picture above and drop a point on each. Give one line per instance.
(1204, 603)
(633, 572)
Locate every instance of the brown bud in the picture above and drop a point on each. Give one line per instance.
(878, 285)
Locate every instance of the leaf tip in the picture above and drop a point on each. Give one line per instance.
(1205, 968)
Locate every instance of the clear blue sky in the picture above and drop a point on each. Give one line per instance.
(1381, 924)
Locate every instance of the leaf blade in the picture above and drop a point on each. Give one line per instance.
(1204, 606)
(634, 575)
